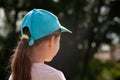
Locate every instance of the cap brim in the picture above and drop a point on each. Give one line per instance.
(63, 29)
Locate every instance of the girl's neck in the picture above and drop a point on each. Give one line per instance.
(36, 60)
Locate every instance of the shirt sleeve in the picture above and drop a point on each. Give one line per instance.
(59, 76)
(10, 78)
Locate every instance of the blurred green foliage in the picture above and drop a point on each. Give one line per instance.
(91, 22)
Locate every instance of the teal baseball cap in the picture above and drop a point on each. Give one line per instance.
(41, 23)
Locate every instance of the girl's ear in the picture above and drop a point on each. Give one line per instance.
(51, 42)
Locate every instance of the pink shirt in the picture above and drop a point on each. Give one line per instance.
(42, 71)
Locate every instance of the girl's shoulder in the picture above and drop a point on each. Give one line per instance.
(46, 72)
(40, 67)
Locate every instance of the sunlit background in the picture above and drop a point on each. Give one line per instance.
(91, 52)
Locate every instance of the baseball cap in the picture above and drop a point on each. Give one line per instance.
(41, 23)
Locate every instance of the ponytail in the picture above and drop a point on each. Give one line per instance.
(21, 63)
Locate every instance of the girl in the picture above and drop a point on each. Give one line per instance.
(39, 43)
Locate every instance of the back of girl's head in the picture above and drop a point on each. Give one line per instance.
(21, 63)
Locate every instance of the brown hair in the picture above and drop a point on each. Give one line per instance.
(21, 63)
